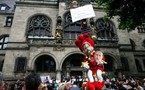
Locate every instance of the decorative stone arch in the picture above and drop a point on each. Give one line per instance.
(35, 15)
(143, 43)
(72, 29)
(138, 65)
(132, 44)
(1, 63)
(125, 63)
(106, 29)
(67, 55)
(116, 60)
(70, 65)
(32, 63)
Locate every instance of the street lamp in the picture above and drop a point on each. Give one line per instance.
(68, 68)
(85, 73)
(118, 71)
(84, 84)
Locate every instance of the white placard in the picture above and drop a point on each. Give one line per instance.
(83, 12)
(43, 78)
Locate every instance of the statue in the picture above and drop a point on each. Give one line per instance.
(59, 30)
(94, 62)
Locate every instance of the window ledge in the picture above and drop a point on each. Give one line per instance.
(40, 37)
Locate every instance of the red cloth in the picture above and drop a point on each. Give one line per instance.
(99, 85)
(90, 86)
(82, 38)
(95, 85)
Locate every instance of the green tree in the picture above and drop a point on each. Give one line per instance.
(131, 13)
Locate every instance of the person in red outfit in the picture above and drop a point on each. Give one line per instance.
(93, 61)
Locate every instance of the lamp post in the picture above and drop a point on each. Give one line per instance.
(68, 68)
(119, 72)
(84, 84)
(84, 74)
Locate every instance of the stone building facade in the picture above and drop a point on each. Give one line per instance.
(38, 36)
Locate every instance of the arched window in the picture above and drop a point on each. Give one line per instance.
(110, 63)
(71, 30)
(105, 30)
(138, 65)
(124, 63)
(143, 43)
(4, 41)
(39, 26)
(45, 63)
(1, 64)
(141, 28)
(132, 44)
(144, 63)
(74, 60)
(72, 63)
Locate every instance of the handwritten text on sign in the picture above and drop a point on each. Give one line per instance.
(82, 13)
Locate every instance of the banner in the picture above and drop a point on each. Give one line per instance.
(82, 13)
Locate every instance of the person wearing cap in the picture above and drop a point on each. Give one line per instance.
(93, 61)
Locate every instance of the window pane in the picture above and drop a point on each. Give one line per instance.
(39, 26)
(5, 45)
(66, 35)
(0, 46)
(6, 39)
(3, 8)
(10, 19)
(8, 24)
(73, 35)
(1, 40)
(52, 63)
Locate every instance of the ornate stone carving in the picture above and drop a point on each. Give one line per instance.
(59, 30)
(58, 48)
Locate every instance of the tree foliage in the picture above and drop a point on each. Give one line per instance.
(131, 13)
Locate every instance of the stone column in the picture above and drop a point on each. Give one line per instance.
(58, 75)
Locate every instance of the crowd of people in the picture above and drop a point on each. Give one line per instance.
(95, 78)
(34, 82)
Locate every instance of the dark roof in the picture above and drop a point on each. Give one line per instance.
(9, 3)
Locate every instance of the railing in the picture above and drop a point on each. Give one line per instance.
(48, 41)
(40, 1)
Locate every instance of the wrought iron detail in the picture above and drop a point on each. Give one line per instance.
(39, 26)
(67, 18)
(105, 30)
(41, 42)
(141, 28)
(71, 30)
(58, 48)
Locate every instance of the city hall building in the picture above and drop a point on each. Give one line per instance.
(38, 36)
